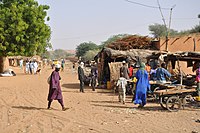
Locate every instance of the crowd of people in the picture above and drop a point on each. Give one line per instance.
(131, 76)
(30, 67)
(141, 79)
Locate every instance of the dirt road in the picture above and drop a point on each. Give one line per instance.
(23, 103)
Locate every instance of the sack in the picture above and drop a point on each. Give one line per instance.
(49, 79)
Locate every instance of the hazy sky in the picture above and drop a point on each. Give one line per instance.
(76, 21)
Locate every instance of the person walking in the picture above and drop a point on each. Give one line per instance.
(142, 85)
(55, 92)
(81, 76)
(121, 84)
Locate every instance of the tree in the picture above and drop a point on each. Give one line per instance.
(89, 55)
(60, 53)
(57, 54)
(196, 29)
(46, 55)
(158, 30)
(84, 47)
(22, 28)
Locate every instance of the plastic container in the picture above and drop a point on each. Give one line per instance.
(108, 85)
(198, 98)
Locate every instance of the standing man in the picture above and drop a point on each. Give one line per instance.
(81, 76)
(21, 63)
(35, 66)
(27, 70)
(55, 92)
(124, 71)
(130, 68)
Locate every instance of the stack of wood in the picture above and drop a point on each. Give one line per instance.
(132, 42)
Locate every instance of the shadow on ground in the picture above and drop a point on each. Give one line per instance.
(147, 108)
(71, 86)
(28, 108)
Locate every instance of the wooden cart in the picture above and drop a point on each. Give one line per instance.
(174, 96)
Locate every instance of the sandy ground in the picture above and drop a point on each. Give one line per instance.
(23, 102)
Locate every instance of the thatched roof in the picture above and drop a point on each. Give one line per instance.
(185, 55)
(132, 42)
(132, 54)
(179, 55)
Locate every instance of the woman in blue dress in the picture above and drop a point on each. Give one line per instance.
(142, 85)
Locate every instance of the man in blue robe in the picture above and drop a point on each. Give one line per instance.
(142, 85)
(162, 73)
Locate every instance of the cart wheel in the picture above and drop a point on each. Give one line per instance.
(186, 100)
(173, 104)
(154, 95)
(163, 100)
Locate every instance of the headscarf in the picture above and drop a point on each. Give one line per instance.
(142, 66)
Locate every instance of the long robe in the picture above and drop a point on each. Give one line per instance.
(141, 87)
(124, 71)
(55, 92)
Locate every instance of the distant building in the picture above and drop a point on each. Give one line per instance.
(181, 43)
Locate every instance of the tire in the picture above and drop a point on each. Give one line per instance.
(187, 100)
(173, 103)
(163, 100)
(154, 95)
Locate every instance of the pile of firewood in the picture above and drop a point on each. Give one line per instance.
(132, 42)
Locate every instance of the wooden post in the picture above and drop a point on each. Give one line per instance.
(180, 72)
(166, 47)
(194, 44)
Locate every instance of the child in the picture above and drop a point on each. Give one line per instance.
(121, 83)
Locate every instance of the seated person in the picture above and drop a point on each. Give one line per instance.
(162, 73)
(8, 73)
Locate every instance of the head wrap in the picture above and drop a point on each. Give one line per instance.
(57, 66)
(142, 66)
(124, 62)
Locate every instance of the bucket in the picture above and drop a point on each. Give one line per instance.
(198, 98)
(108, 85)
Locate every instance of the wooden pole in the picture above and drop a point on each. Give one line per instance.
(194, 44)
(181, 74)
